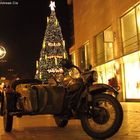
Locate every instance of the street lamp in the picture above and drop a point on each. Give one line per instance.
(2, 52)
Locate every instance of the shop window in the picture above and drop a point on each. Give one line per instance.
(73, 58)
(104, 46)
(84, 56)
(87, 54)
(138, 19)
(109, 73)
(108, 44)
(101, 74)
(108, 51)
(129, 32)
(100, 58)
(132, 76)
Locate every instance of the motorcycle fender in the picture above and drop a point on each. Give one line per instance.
(100, 88)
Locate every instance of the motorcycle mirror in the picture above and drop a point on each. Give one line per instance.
(89, 67)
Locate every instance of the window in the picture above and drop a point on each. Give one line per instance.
(87, 54)
(104, 46)
(84, 56)
(100, 48)
(130, 27)
(132, 77)
(138, 19)
(108, 44)
(73, 58)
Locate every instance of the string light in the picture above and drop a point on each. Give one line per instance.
(53, 49)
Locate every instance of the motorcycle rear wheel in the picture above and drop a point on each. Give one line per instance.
(103, 117)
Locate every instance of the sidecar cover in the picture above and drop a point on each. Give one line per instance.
(40, 98)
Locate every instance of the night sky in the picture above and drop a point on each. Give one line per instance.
(22, 29)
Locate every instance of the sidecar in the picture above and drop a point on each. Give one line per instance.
(30, 97)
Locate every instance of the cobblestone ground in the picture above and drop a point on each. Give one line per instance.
(44, 128)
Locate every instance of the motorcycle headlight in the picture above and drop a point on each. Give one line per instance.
(59, 77)
(74, 73)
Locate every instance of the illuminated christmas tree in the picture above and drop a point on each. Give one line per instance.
(53, 49)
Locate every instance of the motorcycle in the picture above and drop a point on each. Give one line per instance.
(70, 96)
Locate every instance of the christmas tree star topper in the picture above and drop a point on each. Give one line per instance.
(52, 6)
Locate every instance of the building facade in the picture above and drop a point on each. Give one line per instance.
(107, 35)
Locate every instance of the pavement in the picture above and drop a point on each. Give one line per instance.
(43, 127)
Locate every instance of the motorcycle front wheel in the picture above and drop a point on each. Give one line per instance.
(103, 116)
(60, 121)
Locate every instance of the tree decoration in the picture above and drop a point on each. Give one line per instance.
(53, 49)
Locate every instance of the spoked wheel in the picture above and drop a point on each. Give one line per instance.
(61, 122)
(103, 117)
(7, 118)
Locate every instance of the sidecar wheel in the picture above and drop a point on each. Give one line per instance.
(61, 122)
(7, 118)
(103, 117)
(1, 104)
